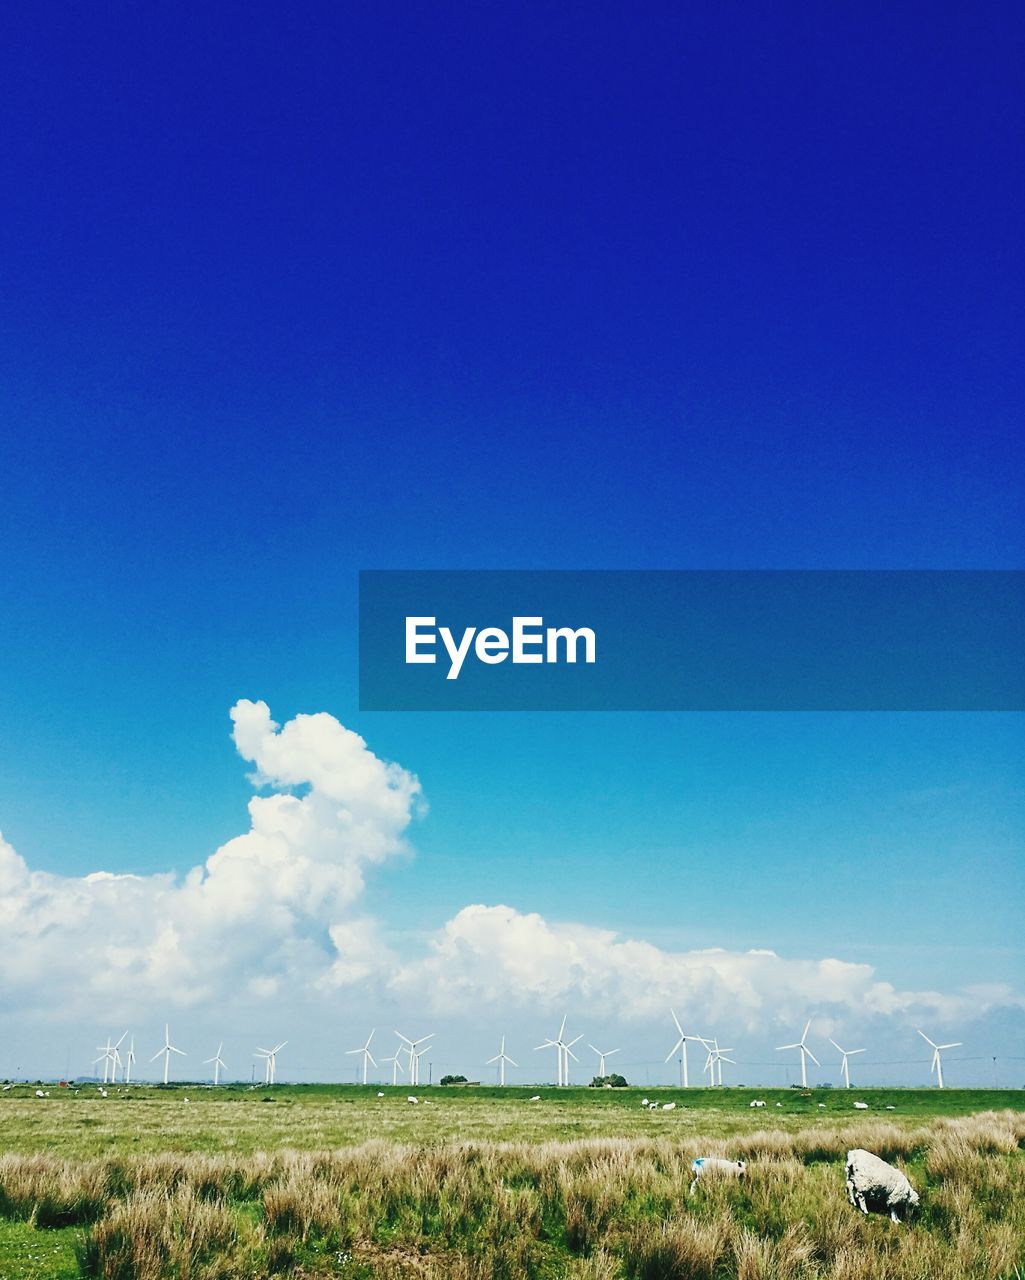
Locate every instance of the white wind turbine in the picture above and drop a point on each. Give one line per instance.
(601, 1057)
(115, 1059)
(415, 1054)
(167, 1050)
(682, 1044)
(563, 1051)
(501, 1057)
(130, 1060)
(106, 1057)
(806, 1053)
(367, 1055)
(716, 1057)
(394, 1066)
(845, 1070)
(218, 1064)
(271, 1055)
(937, 1063)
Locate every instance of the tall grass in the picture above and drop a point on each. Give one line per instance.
(606, 1209)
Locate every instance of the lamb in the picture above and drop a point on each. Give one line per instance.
(717, 1167)
(877, 1187)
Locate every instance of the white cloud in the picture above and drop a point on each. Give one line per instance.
(273, 915)
(258, 915)
(489, 954)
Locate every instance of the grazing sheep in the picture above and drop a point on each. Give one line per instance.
(536, 1098)
(668, 1106)
(873, 1186)
(757, 1102)
(861, 1106)
(412, 1099)
(717, 1167)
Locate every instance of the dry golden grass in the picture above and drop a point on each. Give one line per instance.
(605, 1209)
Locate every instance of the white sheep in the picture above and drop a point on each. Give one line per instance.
(416, 1101)
(861, 1106)
(717, 1167)
(756, 1102)
(668, 1106)
(873, 1186)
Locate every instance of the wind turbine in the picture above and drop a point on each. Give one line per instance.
(394, 1066)
(106, 1055)
(937, 1064)
(167, 1050)
(218, 1064)
(563, 1050)
(716, 1057)
(115, 1060)
(367, 1055)
(806, 1053)
(271, 1069)
(682, 1044)
(501, 1057)
(845, 1070)
(130, 1060)
(415, 1054)
(601, 1057)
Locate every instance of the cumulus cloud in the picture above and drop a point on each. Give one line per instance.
(486, 954)
(274, 914)
(264, 912)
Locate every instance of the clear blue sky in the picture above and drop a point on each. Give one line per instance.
(287, 294)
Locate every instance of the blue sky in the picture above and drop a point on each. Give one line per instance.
(285, 297)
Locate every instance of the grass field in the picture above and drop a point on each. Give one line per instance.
(336, 1181)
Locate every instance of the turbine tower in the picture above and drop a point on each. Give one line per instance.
(937, 1062)
(218, 1064)
(367, 1055)
(501, 1057)
(601, 1057)
(845, 1070)
(167, 1050)
(806, 1053)
(130, 1060)
(682, 1044)
(394, 1066)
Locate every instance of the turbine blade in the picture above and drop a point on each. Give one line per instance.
(676, 1046)
(780, 1047)
(835, 1045)
(812, 1056)
(925, 1037)
(511, 1063)
(677, 1021)
(956, 1044)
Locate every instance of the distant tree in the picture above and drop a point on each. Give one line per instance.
(453, 1079)
(613, 1081)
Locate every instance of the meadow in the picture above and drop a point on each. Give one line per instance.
(203, 1184)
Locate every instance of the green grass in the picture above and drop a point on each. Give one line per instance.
(28, 1252)
(484, 1184)
(146, 1120)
